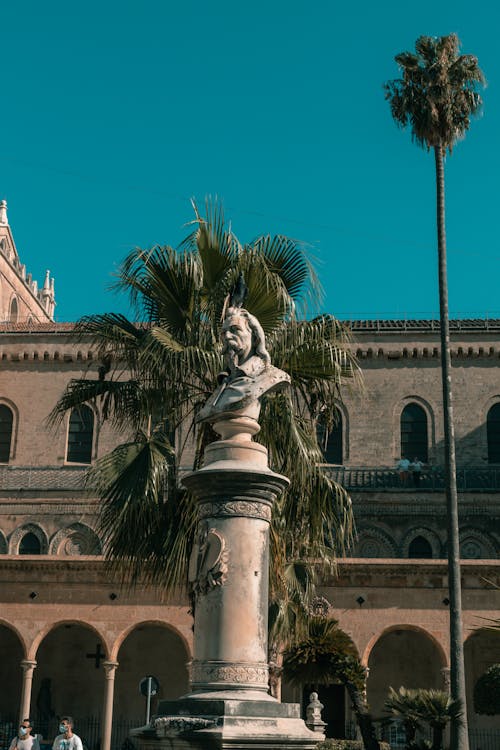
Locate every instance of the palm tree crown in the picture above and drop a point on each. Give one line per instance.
(437, 94)
(159, 371)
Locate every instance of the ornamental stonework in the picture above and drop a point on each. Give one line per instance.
(241, 674)
(244, 508)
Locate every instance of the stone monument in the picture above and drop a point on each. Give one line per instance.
(229, 705)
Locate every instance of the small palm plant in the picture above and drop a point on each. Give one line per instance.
(324, 655)
(419, 707)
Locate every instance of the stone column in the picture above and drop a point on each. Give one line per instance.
(107, 713)
(445, 671)
(28, 666)
(230, 563)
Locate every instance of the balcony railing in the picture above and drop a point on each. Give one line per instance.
(363, 478)
(69, 478)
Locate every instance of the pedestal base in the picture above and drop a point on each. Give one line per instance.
(217, 723)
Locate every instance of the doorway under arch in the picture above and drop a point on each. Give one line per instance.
(403, 657)
(154, 649)
(69, 680)
(11, 655)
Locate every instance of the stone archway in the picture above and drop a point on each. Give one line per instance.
(11, 655)
(69, 679)
(150, 648)
(481, 650)
(406, 657)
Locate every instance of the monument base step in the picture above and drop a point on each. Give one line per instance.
(217, 723)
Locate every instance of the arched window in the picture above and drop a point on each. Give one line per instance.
(6, 420)
(420, 547)
(81, 431)
(414, 433)
(14, 311)
(30, 544)
(493, 433)
(331, 443)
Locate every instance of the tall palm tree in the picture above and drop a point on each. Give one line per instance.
(436, 96)
(158, 371)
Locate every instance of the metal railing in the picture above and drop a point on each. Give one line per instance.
(364, 478)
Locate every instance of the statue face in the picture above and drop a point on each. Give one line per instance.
(237, 338)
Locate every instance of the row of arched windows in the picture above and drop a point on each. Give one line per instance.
(413, 425)
(80, 434)
(414, 435)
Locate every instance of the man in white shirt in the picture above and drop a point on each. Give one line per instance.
(403, 467)
(67, 740)
(24, 740)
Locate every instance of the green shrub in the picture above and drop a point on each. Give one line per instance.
(334, 744)
(487, 692)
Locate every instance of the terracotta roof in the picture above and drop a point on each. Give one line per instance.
(36, 327)
(18, 478)
(466, 324)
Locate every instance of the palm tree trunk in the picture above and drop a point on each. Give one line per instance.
(459, 735)
(437, 738)
(363, 717)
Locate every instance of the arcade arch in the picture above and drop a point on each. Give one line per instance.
(69, 678)
(149, 648)
(11, 655)
(403, 656)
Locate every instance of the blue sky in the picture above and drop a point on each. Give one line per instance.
(116, 113)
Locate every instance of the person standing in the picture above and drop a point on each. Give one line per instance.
(67, 740)
(403, 468)
(24, 740)
(416, 471)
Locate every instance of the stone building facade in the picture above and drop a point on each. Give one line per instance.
(21, 301)
(73, 641)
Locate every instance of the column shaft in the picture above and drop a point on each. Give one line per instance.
(107, 713)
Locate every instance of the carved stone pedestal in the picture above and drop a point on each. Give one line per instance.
(229, 706)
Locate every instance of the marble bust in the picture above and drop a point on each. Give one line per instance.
(249, 374)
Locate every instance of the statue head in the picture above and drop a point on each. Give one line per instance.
(242, 337)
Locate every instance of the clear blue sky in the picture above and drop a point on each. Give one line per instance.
(116, 113)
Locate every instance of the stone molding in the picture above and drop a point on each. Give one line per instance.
(366, 532)
(484, 541)
(223, 486)
(437, 544)
(78, 536)
(235, 507)
(28, 528)
(431, 352)
(205, 673)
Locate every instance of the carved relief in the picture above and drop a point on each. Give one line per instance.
(166, 725)
(246, 509)
(242, 674)
(75, 540)
(320, 607)
(208, 561)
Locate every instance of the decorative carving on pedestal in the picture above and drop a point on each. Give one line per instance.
(173, 725)
(250, 675)
(244, 508)
(208, 561)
